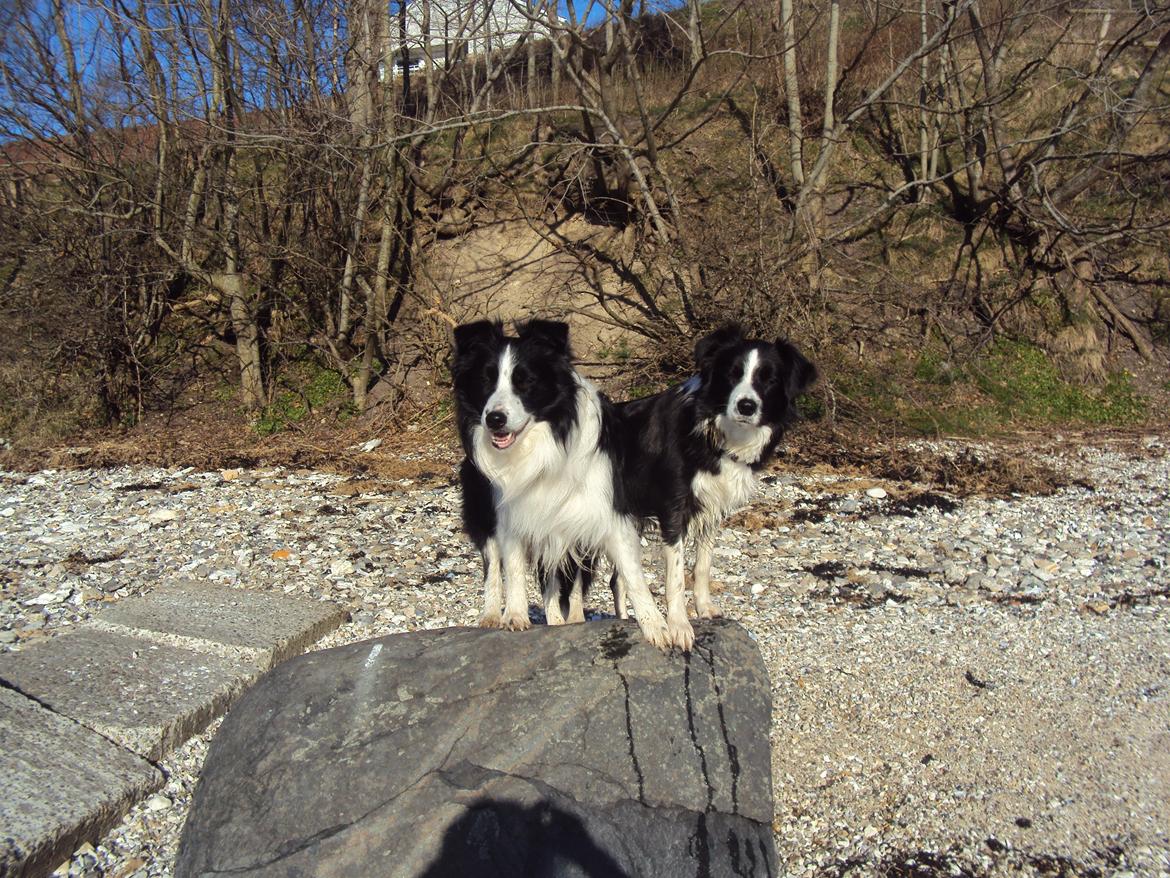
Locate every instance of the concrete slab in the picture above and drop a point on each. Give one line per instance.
(278, 626)
(60, 785)
(147, 696)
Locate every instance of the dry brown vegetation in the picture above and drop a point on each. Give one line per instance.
(959, 208)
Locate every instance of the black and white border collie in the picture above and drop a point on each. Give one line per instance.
(543, 480)
(691, 453)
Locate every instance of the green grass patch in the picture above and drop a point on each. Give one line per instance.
(619, 352)
(321, 389)
(1011, 385)
(1024, 384)
(933, 368)
(811, 407)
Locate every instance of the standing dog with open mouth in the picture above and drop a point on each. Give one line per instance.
(542, 482)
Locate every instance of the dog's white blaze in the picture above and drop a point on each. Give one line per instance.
(745, 390)
(504, 398)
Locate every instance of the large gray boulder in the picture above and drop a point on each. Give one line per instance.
(570, 751)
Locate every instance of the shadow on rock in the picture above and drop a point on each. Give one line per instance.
(496, 838)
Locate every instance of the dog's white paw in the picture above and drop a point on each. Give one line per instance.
(656, 632)
(491, 619)
(576, 615)
(682, 634)
(708, 611)
(517, 621)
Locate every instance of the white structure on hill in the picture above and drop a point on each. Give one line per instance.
(461, 28)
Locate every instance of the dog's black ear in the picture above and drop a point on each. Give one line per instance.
(551, 334)
(481, 333)
(799, 373)
(708, 347)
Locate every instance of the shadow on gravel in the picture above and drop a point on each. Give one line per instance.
(815, 510)
(915, 503)
(830, 570)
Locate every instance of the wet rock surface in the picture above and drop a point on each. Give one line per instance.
(870, 614)
(574, 752)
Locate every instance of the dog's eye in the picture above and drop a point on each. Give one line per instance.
(491, 373)
(521, 376)
(764, 374)
(736, 372)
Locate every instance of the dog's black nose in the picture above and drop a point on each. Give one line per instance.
(746, 407)
(495, 420)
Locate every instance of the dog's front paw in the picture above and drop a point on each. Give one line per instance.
(708, 611)
(682, 634)
(517, 621)
(491, 619)
(657, 632)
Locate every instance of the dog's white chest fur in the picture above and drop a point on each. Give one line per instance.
(722, 493)
(733, 486)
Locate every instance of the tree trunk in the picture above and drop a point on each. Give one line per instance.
(923, 93)
(792, 92)
(247, 340)
(694, 32)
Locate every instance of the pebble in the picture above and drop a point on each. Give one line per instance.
(46, 598)
(341, 567)
(877, 493)
(158, 802)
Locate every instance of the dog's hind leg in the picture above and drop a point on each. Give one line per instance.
(618, 586)
(493, 586)
(550, 588)
(577, 590)
(704, 607)
(682, 634)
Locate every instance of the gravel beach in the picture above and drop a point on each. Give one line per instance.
(961, 685)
